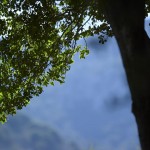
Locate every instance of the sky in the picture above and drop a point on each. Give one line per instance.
(93, 106)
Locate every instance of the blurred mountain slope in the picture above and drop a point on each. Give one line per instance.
(21, 133)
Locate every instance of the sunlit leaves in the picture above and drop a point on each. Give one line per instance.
(38, 42)
(83, 53)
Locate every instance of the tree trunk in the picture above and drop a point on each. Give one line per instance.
(127, 21)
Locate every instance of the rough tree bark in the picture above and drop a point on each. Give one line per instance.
(127, 21)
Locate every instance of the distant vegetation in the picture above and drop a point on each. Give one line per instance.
(21, 133)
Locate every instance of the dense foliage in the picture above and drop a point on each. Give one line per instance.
(38, 41)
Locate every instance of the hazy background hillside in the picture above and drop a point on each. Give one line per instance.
(92, 109)
(22, 133)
